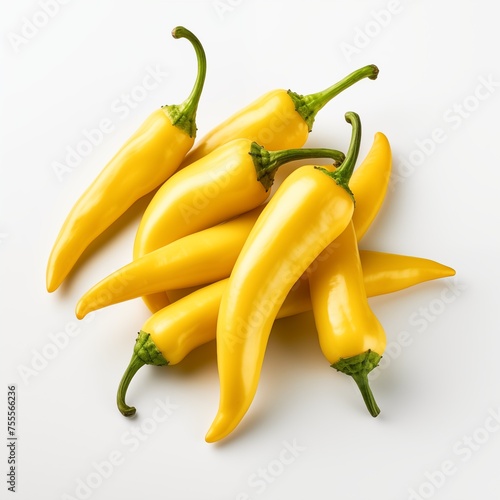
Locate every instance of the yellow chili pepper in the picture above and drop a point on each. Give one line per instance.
(369, 183)
(383, 273)
(229, 181)
(308, 211)
(350, 335)
(343, 316)
(209, 255)
(170, 334)
(279, 119)
(196, 259)
(144, 162)
(397, 272)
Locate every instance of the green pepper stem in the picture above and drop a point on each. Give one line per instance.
(135, 364)
(183, 115)
(358, 367)
(343, 174)
(145, 353)
(267, 162)
(367, 394)
(309, 105)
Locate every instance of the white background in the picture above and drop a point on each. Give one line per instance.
(437, 394)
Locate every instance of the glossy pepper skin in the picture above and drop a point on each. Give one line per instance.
(369, 183)
(196, 259)
(279, 119)
(144, 162)
(308, 211)
(170, 334)
(209, 255)
(397, 272)
(350, 336)
(229, 181)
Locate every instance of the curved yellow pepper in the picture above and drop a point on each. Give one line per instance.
(350, 335)
(369, 183)
(170, 334)
(196, 259)
(209, 255)
(229, 181)
(308, 211)
(397, 272)
(279, 119)
(144, 162)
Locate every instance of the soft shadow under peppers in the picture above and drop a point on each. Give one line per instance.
(170, 334)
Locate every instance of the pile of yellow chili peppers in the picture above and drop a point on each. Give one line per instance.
(250, 257)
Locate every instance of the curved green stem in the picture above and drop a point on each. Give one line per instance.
(183, 115)
(309, 105)
(145, 353)
(358, 367)
(267, 162)
(132, 368)
(343, 174)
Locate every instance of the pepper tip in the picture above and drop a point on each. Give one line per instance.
(212, 436)
(80, 312)
(84, 306)
(219, 429)
(51, 283)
